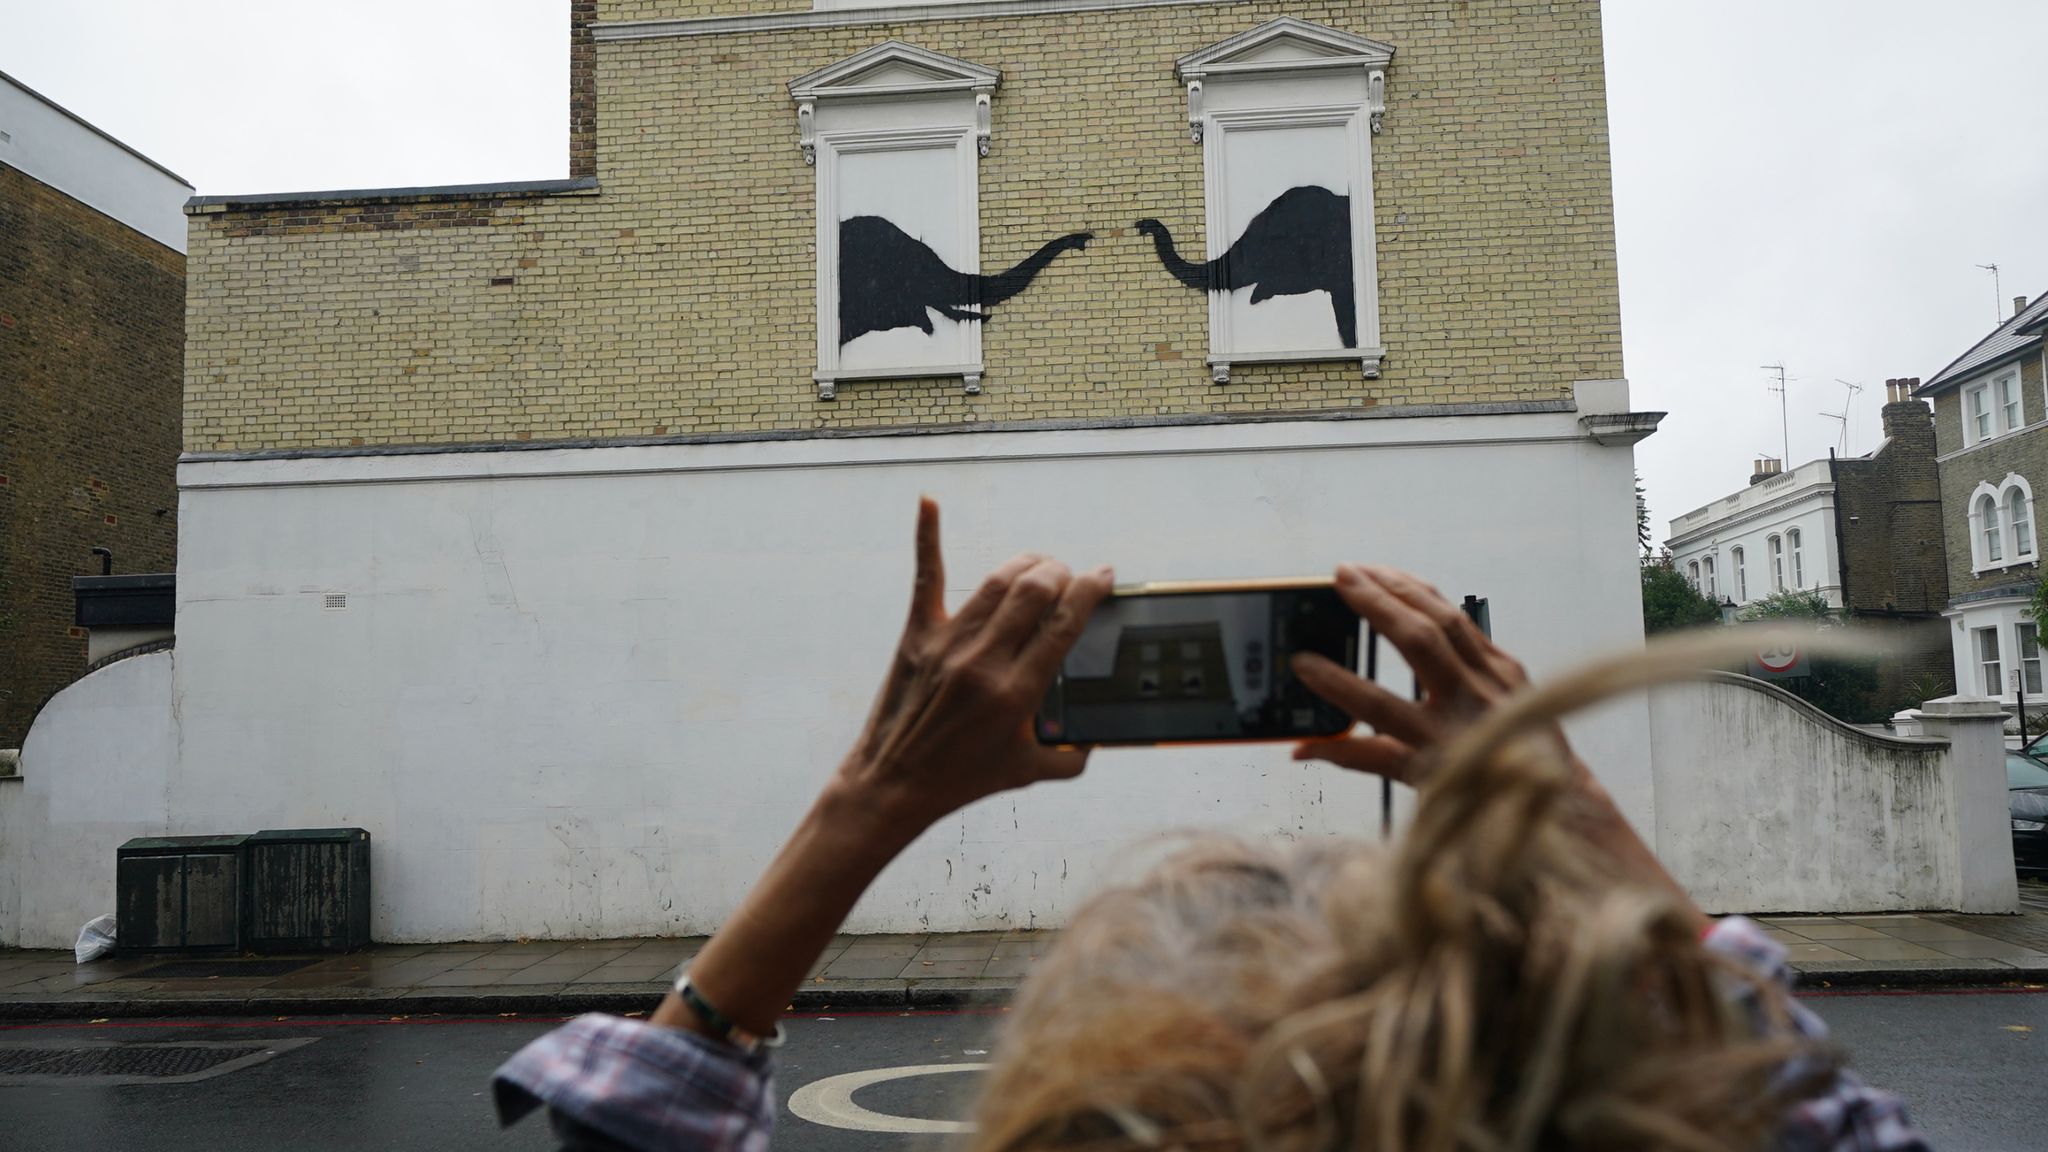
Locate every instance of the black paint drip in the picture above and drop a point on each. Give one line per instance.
(889, 278)
(1299, 243)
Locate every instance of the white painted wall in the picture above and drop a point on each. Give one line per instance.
(587, 692)
(64, 152)
(97, 767)
(1802, 499)
(1767, 805)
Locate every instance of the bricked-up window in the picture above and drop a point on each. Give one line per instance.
(1285, 114)
(896, 133)
(1988, 531)
(2030, 655)
(1741, 576)
(1777, 547)
(1992, 676)
(1792, 539)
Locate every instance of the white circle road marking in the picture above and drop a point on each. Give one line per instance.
(830, 1101)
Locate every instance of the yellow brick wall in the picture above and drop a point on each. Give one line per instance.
(679, 299)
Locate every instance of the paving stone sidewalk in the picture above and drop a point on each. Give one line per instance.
(856, 971)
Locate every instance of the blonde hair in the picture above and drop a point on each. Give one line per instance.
(1485, 983)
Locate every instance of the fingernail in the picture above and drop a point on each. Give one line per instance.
(1350, 574)
(1105, 573)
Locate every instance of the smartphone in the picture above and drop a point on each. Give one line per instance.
(1201, 661)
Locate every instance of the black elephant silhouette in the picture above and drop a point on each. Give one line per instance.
(888, 278)
(1299, 243)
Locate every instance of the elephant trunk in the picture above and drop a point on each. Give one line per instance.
(1197, 276)
(992, 290)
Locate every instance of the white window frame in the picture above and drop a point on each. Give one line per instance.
(1741, 576)
(1990, 667)
(1988, 404)
(2018, 511)
(1776, 546)
(2030, 666)
(1707, 572)
(1996, 499)
(1795, 542)
(1692, 575)
(1289, 73)
(894, 97)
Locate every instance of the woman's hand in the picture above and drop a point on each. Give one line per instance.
(951, 726)
(1461, 673)
(953, 721)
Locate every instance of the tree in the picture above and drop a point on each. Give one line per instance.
(1671, 602)
(1642, 518)
(2037, 602)
(1844, 688)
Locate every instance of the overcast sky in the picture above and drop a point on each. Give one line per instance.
(1805, 182)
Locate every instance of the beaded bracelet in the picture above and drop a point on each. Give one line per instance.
(720, 1024)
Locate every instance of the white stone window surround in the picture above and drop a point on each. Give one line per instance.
(1777, 549)
(896, 99)
(1741, 575)
(1996, 501)
(1289, 74)
(1987, 403)
(1990, 669)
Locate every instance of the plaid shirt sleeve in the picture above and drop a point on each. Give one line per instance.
(1849, 1115)
(614, 1083)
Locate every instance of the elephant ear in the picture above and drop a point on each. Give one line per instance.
(1260, 291)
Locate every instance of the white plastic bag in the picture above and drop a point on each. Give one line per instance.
(96, 939)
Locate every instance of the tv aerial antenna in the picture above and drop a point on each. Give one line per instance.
(1784, 420)
(1848, 408)
(1997, 294)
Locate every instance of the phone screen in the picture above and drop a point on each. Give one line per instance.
(1168, 667)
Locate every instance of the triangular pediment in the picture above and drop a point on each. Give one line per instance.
(1284, 45)
(894, 68)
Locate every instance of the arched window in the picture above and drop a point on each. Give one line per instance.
(2019, 517)
(1988, 533)
(1777, 547)
(1741, 576)
(1692, 575)
(1707, 571)
(1798, 561)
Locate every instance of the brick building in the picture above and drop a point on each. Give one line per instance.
(1863, 532)
(92, 321)
(1991, 429)
(555, 530)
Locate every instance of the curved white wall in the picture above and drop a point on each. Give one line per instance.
(1766, 805)
(96, 770)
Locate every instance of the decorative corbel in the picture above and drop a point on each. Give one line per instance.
(972, 381)
(1195, 110)
(1219, 372)
(807, 137)
(984, 118)
(1376, 97)
(826, 391)
(1371, 365)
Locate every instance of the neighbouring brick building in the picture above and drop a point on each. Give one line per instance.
(1865, 532)
(92, 323)
(1991, 429)
(555, 530)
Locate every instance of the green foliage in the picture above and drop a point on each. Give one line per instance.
(1671, 603)
(1926, 686)
(1642, 517)
(2037, 602)
(1789, 604)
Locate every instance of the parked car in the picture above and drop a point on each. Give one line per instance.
(2027, 779)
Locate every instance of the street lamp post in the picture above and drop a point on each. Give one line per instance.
(1728, 610)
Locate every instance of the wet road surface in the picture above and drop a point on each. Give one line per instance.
(1973, 1065)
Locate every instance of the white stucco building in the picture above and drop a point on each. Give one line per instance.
(1777, 534)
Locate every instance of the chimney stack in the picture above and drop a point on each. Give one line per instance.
(1903, 415)
(2019, 305)
(1766, 467)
